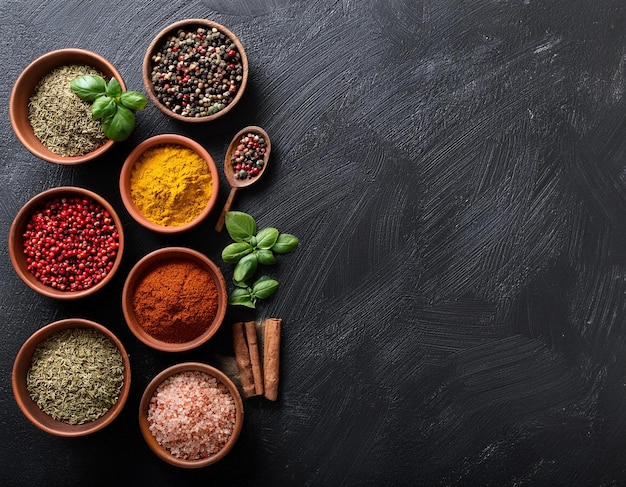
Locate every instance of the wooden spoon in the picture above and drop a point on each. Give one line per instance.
(229, 171)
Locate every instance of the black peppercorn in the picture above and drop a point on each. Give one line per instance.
(192, 62)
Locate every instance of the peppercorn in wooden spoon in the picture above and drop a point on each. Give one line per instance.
(245, 162)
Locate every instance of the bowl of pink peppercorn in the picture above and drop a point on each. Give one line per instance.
(66, 242)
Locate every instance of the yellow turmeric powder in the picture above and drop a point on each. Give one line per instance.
(171, 184)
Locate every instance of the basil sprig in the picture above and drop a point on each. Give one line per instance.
(249, 249)
(115, 107)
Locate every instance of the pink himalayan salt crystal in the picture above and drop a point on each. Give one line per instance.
(192, 415)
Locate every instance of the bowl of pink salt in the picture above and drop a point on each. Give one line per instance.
(174, 299)
(191, 415)
(169, 183)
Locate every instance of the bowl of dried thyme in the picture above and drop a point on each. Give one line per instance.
(71, 377)
(48, 118)
(195, 70)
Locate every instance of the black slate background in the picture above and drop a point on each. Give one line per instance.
(456, 173)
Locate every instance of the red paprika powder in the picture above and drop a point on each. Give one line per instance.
(175, 300)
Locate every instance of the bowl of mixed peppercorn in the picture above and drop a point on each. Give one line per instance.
(48, 118)
(195, 70)
(66, 242)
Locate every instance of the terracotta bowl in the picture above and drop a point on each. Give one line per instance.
(126, 173)
(29, 407)
(154, 48)
(25, 86)
(165, 454)
(16, 244)
(147, 263)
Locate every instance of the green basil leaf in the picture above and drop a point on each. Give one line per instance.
(234, 252)
(242, 285)
(119, 126)
(240, 226)
(88, 87)
(266, 238)
(245, 268)
(133, 100)
(239, 291)
(265, 257)
(264, 287)
(103, 106)
(114, 89)
(241, 297)
(285, 243)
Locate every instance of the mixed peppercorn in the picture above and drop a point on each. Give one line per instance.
(247, 159)
(70, 243)
(197, 73)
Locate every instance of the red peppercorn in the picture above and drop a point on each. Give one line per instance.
(71, 243)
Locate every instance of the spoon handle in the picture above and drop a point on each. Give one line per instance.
(220, 221)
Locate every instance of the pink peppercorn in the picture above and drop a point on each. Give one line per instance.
(70, 243)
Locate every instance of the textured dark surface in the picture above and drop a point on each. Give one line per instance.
(456, 172)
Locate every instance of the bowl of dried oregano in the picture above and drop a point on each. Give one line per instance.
(48, 117)
(71, 377)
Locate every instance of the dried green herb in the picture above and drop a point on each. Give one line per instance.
(76, 375)
(61, 121)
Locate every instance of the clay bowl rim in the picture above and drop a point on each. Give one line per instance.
(124, 183)
(25, 85)
(162, 254)
(160, 38)
(30, 409)
(16, 245)
(160, 451)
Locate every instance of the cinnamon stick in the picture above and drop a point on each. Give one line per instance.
(242, 357)
(253, 349)
(271, 356)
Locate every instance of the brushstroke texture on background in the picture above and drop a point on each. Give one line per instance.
(456, 173)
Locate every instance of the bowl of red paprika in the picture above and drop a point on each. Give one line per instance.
(174, 299)
(66, 242)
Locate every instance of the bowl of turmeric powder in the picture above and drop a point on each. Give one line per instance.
(169, 183)
(174, 299)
